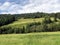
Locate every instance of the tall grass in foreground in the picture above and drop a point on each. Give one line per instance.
(47, 38)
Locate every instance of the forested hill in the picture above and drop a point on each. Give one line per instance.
(29, 22)
(9, 18)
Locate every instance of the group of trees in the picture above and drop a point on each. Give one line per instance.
(46, 26)
(33, 15)
(5, 19)
(9, 30)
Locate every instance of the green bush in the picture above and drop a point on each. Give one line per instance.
(47, 20)
(9, 30)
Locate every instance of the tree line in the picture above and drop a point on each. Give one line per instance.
(5, 19)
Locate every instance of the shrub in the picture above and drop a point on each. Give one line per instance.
(47, 20)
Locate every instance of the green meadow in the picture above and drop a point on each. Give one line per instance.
(43, 38)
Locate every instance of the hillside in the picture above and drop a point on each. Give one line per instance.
(22, 22)
(27, 25)
(29, 22)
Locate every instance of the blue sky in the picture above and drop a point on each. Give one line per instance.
(29, 6)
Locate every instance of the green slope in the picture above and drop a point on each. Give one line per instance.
(23, 22)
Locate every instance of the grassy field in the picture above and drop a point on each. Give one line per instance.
(43, 38)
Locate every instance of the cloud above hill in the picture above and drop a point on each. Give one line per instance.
(29, 6)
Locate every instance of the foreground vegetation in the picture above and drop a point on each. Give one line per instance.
(43, 38)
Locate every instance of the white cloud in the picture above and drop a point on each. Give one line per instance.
(10, 8)
(33, 6)
(43, 6)
(5, 6)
